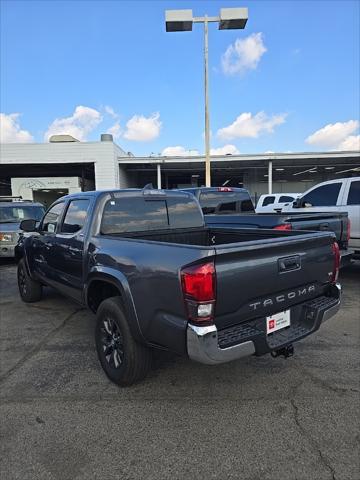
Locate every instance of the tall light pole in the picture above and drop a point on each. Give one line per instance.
(182, 21)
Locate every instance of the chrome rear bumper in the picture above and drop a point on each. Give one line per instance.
(203, 344)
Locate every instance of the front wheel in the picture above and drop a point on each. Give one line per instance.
(30, 290)
(124, 360)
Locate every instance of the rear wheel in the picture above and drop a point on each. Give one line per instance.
(30, 290)
(124, 360)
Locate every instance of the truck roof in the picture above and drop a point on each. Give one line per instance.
(97, 193)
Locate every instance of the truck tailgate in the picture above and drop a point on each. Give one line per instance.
(257, 280)
(330, 222)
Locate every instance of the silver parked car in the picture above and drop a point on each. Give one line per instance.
(12, 211)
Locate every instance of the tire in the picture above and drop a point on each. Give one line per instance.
(123, 359)
(30, 290)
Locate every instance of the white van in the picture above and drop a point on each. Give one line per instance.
(274, 202)
(340, 195)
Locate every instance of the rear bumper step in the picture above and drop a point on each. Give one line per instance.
(210, 346)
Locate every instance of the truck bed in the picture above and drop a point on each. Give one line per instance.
(208, 237)
(248, 271)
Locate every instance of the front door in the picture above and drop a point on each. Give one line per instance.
(70, 247)
(44, 244)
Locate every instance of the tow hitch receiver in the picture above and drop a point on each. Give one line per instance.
(285, 352)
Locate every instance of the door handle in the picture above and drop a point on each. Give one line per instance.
(324, 226)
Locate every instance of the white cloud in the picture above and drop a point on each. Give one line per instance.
(143, 129)
(243, 55)
(115, 130)
(352, 142)
(336, 136)
(179, 151)
(82, 122)
(225, 150)
(251, 126)
(10, 130)
(110, 111)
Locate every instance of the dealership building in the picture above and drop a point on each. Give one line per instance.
(46, 171)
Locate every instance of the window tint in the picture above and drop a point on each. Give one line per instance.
(184, 212)
(225, 202)
(133, 214)
(75, 216)
(268, 201)
(323, 196)
(285, 198)
(51, 218)
(354, 193)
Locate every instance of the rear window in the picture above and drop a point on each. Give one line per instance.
(185, 213)
(225, 202)
(134, 214)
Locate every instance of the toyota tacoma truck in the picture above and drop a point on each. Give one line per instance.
(157, 277)
(233, 208)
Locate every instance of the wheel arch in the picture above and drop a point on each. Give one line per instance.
(107, 283)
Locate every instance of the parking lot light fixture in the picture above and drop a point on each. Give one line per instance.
(182, 21)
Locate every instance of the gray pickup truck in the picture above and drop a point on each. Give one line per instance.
(157, 277)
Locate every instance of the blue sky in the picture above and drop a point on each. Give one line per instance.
(289, 81)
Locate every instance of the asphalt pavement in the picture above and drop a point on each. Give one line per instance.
(255, 419)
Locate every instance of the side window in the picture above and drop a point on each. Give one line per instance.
(75, 216)
(268, 201)
(354, 193)
(324, 196)
(51, 218)
(286, 198)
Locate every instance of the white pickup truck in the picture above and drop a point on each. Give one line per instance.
(340, 195)
(274, 202)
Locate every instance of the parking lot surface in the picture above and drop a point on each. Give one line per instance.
(258, 418)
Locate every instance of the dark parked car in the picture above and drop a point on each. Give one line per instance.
(157, 277)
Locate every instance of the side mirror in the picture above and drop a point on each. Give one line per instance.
(296, 203)
(28, 225)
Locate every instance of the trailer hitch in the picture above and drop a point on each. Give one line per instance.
(285, 352)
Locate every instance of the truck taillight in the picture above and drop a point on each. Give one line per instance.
(284, 226)
(199, 290)
(336, 267)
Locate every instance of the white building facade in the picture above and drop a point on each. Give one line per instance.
(50, 169)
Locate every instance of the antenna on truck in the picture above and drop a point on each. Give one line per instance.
(152, 193)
